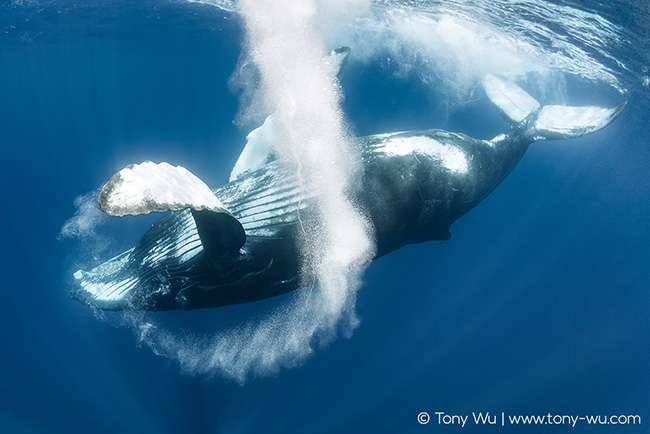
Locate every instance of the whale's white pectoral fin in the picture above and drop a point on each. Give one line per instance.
(149, 187)
(562, 122)
(513, 102)
(258, 151)
(107, 286)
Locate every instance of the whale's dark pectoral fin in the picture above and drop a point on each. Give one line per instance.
(221, 234)
(551, 122)
(202, 228)
(150, 187)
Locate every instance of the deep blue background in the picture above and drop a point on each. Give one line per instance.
(538, 303)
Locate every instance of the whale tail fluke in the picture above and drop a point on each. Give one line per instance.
(551, 122)
(554, 122)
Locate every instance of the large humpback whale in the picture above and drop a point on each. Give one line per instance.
(239, 242)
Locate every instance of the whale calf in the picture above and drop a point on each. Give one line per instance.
(239, 242)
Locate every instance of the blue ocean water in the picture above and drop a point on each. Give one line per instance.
(538, 304)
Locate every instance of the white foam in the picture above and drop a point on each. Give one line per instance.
(286, 41)
(86, 217)
(85, 227)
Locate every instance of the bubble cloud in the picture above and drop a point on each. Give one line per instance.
(286, 41)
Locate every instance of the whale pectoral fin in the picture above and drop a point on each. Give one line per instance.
(221, 234)
(261, 142)
(180, 240)
(150, 187)
(513, 103)
(562, 122)
(259, 149)
(108, 285)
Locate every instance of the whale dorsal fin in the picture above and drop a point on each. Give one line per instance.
(260, 143)
(149, 187)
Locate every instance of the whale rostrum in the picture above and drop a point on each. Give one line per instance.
(239, 242)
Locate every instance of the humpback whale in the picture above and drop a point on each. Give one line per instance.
(239, 242)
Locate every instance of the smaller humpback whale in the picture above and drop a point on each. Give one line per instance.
(239, 242)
